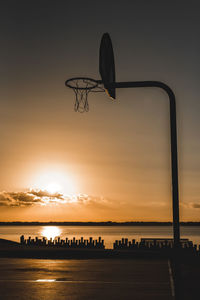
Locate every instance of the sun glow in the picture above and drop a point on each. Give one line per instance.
(55, 181)
(53, 187)
(50, 232)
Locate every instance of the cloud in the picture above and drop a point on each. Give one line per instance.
(191, 205)
(43, 198)
(41, 193)
(17, 199)
(196, 205)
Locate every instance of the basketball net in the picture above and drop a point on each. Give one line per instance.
(82, 86)
(81, 100)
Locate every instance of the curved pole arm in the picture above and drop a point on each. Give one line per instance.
(174, 154)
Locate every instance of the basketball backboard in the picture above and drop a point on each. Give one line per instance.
(107, 64)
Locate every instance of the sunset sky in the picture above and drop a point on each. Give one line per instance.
(112, 163)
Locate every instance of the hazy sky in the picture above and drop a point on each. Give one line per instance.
(112, 163)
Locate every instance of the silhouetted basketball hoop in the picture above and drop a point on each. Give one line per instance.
(82, 87)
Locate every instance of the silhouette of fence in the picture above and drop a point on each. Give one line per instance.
(123, 244)
(67, 243)
(154, 244)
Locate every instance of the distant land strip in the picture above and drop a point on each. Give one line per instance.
(107, 223)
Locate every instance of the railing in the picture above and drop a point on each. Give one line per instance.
(123, 244)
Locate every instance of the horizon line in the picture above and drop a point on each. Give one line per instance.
(97, 223)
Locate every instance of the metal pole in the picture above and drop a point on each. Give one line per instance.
(174, 153)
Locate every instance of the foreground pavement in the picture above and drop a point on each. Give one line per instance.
(35, 279)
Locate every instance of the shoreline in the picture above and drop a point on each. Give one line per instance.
(109, 223)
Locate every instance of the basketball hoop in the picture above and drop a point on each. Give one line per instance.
(82, 86)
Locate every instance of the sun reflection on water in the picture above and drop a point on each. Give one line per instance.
(46, 280)
(50, 232)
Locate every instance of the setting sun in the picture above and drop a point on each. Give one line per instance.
(53, 187)
(55, 181)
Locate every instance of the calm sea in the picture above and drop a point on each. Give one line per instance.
(108, 233)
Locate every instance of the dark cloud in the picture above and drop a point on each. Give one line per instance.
(17, 199)
(41, 194)
(40, 197)
(196, 205)
(191, 205)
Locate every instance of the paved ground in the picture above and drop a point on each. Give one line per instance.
(36, 279)
(189, 279)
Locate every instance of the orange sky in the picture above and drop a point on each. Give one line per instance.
(117, 155)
